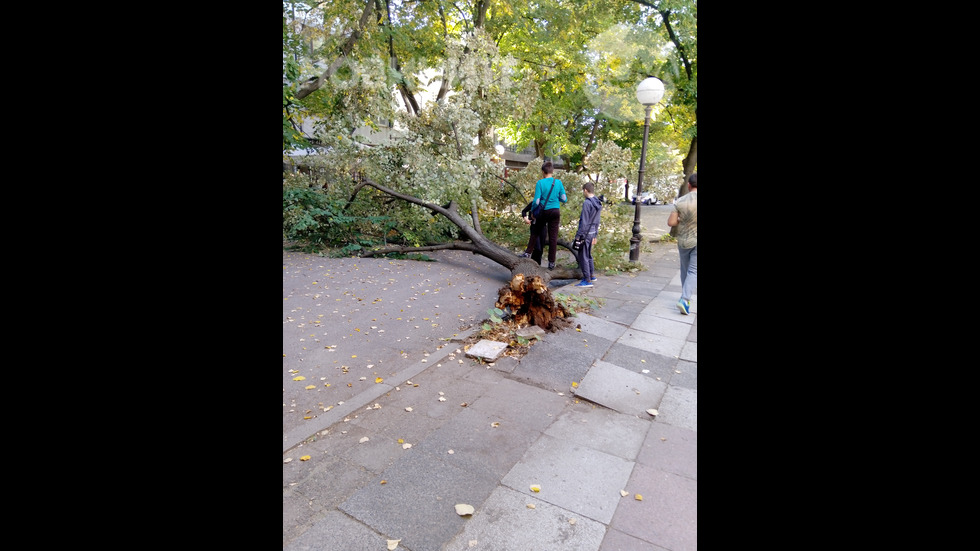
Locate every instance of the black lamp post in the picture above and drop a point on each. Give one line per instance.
(648, 93)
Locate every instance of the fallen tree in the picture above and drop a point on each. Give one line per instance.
(477, 244)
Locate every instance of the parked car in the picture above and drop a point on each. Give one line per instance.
(647, 198)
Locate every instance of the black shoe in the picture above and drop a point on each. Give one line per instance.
(551, 266)
(525, 255)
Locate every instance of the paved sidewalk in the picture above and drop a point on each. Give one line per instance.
(441, 429)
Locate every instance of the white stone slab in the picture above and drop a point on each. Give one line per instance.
(487, 350)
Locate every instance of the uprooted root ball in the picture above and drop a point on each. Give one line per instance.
(529, 301)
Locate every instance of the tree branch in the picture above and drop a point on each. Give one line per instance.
(313, 85)
(453, 245)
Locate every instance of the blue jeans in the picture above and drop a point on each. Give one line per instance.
(689, 271)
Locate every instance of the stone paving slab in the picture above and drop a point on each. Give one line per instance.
(658, 325)
(337, 531)
(618, 541)
(668, 514)
(599, 327)
(687, 376)
(601, 429)
(417, 502)
(621, 389)
(568, 474)
(486, 350)
(665, 305)
(680, 408)
(505, 523)
(658, 344)
(479, 446)
(690, 352)
(561, 359)
(659, 367)
(512, 401)
(617, 310)
(671, 449)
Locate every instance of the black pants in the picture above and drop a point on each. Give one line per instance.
(547, 232)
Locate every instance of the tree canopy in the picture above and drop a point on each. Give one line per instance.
(404, 101)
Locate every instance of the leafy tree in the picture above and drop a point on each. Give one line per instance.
(405, 171)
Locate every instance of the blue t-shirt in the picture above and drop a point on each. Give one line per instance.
(558, 195)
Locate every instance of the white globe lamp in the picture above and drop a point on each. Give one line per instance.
(650, 91)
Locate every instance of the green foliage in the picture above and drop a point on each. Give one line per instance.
(576, 303)
(496, 315)
(531, 73)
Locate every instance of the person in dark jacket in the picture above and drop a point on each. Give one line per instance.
(588, 229)
(534, 240)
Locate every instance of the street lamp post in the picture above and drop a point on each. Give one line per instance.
(648, 93)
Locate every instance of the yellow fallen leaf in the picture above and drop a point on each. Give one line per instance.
(464, 510)
(574, 384)
(624, 493)
(639, 497)
(305, 458)
(310, 387)
(535, 488)
(378, 380)
(300, 378)
(530, 506)
(392, 544)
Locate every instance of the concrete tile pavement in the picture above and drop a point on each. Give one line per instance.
(523, 423)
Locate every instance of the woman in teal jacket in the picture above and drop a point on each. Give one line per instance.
(550, 192)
